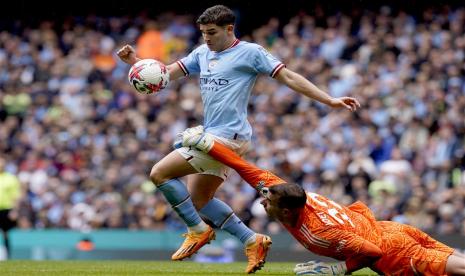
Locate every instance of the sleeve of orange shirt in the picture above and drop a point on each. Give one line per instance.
(255, 176)
(354, 249)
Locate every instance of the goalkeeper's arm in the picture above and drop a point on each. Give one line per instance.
(256, 177)
(252, 174)
(369, 253)
(356, 251)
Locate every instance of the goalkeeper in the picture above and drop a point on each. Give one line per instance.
(350, 234)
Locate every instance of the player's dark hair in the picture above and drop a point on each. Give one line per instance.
(219, 15)
(289, 195)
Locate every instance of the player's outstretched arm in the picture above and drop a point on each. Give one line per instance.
(357, 251)
(256, 177)
(128, 55)
(305, 87)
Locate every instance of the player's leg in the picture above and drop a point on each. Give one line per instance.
(431, 257)
(455, 264)
(426, 240)
(165, 175)
(6, 224)
(459, 254)
(6, 245)
(438, 262)
(202, 188)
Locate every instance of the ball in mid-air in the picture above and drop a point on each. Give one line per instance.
(148, 76)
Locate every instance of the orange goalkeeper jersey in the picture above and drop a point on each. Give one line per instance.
(327, 228)
(324, 227)
(344, 233)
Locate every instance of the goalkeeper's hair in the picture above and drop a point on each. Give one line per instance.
(219, 15)
(289, 195)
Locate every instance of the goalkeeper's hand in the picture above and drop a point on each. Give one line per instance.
(321, 268)
(194, 137)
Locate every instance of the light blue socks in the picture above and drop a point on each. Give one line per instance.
(177, 195)
(216, 210)
(223, 217)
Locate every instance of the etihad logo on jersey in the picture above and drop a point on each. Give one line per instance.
(213, 81)
(212, 84)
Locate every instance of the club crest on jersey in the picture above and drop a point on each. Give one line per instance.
(212, 64)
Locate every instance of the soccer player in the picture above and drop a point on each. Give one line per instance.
(228, 69)
(324, 227)
(10, 192)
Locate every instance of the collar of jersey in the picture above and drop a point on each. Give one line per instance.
(235, 42)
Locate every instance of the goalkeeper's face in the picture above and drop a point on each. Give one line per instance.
(271, 206)
(217, 37)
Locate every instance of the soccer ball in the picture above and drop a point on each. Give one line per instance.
(148, 76)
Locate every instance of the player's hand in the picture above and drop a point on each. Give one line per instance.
(346, 102)
(320, 268)
(195, 137)
(127, 54)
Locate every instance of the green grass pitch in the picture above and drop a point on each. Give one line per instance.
(64, 268)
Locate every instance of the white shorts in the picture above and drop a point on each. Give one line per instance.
(205, 164)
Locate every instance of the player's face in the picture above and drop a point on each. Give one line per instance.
(271, 206)
(216, 37)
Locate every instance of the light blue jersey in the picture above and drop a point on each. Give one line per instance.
(226, 81)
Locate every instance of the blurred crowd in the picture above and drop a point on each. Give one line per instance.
(82, 141)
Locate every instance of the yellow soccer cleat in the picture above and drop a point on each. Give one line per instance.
(192, 243)
(256, 253)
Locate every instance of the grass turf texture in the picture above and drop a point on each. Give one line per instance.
(63, 268)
